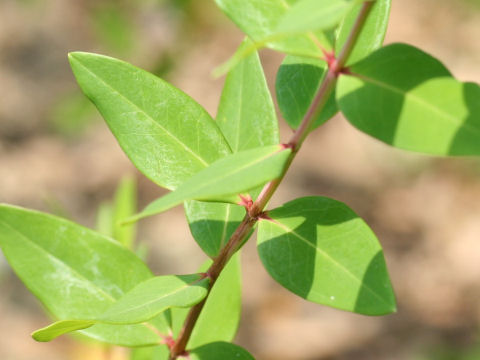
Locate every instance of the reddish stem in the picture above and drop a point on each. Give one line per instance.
(255, 210)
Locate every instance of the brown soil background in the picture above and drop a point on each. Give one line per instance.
(424, 210)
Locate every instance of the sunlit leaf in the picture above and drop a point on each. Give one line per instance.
(259, 20)
(319, 249)
(75, 272)
(148, 117)
(407, 99)
(372, 33)
(220, 316)
(155, 295)
(299, 78)
(311, 15)
(142, 303)
(246, 116)
(160, 352)
(58, 328)
(225, 179)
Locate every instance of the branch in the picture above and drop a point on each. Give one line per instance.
(256, 209)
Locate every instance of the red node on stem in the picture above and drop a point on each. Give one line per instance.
(246, 200)
(287, 146)
(329, 57)
(264, 215)
(169, 341)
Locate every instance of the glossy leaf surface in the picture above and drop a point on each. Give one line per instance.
(319, 249)
(246, 116)
(298, 80)
(155, 295)
(142, 303)
(74, 271)
(223, 302)
(220, 316)
(259, 20)
(407, 99)
(219, 351)
(212, 224)
(246, 113)
(225, 179)
(372, 34)
(148, 117)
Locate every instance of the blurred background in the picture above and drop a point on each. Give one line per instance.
(57, 155)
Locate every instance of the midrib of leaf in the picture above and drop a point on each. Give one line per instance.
(55, 259)
(328, 257)
(237, 170)
(240, 109)
(418, 100)
(157, 299)
(182, 144)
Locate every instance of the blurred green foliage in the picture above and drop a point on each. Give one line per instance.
(71, 114)
(447, 352)
(115, 26)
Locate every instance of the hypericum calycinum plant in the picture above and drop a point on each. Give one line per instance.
(224, 172)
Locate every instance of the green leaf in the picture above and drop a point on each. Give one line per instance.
(311, 15)
(155, 295)
(406, 98)
(223, 302)
(220, 316)
(125, 205)
(150, 353)
(219, 351)
(225, 179)
(259, 20)
(319, 249)
(58, 328)
(212, 224)
(148, 117)
(75, 272)
(246, 116)
(298, 80)
(372, 34)
(142, 303)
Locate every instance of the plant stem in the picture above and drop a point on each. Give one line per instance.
(256, 210)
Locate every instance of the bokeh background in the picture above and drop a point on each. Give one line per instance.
(57, 155)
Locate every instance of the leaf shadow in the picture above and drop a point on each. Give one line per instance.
(375, 276)
(463, 142)
(295, 263)
(384, 85)
(296, 85)
(211, 234)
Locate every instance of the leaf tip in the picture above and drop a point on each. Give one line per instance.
(39, 336)
(74, 55)
(129, 220)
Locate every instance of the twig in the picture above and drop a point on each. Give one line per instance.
(256, 209)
